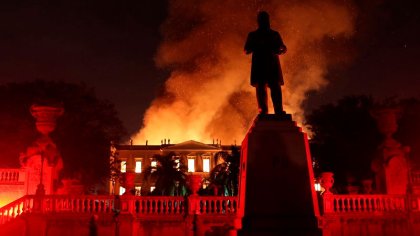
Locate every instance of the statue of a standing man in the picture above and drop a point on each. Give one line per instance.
(266, 45)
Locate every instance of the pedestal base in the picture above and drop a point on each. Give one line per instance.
(279, 194)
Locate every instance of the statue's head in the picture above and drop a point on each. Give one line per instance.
(263, 19)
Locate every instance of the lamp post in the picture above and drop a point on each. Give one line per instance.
(40, 190)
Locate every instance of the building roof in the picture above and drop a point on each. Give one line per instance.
(189, 145)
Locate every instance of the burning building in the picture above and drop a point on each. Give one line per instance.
(199, 158)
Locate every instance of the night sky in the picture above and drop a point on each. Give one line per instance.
(111, 47)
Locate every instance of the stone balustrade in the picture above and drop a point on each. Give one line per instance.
(157, 205)
(8, 176)
(78, 204)
(135, 205)
(16, 208)
(218, 205)
(415, 177)
(344, 204)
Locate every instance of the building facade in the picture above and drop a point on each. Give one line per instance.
(198, 157)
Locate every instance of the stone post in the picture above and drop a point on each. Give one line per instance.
(193, 222)
(130, 176)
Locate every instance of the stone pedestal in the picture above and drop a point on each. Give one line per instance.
(392, 165)
(277, 182)
(42, 158)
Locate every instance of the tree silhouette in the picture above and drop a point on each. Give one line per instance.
(346, 138)
(83, 133)
(169, 176)
(224, 176)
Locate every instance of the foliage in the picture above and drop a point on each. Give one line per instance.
(114, 166)
(409, 128)
(224, 178)
(83, 133)
(169, 176)
(345, 137)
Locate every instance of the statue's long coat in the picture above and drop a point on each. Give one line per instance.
(265, 46)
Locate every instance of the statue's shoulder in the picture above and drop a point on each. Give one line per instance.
(274, 32)
(253, 33)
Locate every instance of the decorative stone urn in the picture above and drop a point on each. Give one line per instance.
(327, 181)
(194, 183)
(46, 117)
(386, 121)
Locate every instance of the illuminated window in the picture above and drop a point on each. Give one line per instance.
(123, 166)
(138, 167)
(152, 188)
(122, 190)
(153, 164)
(206, 165)
(205, 184)
(318, 187)
(138, 190)
(177, 163)
(191, 165)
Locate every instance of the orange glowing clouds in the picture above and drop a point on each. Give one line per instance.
(208, 95)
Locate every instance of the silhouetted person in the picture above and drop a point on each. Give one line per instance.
(266, 45)
(93, 226)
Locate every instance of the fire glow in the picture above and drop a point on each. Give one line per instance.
(208, 95)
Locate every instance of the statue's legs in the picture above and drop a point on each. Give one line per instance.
(262, 98)
(276, 97)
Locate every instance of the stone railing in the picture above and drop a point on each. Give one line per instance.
(218, 205)
(345, 204)
(78, 204)
(8, 176)
(156, 205)
(415, 177)
(16, 208)
(136, 205)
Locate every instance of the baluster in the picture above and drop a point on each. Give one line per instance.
(161, 206)
(211, 206)
(354, 204)
(368, 204)
(344, 202)
(384, 204)
(207, 206)
(338, 201)
(141, 202)
(156, 206)
(347, 204)
(174, 205)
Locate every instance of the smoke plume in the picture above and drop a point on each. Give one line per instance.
(208, 94)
